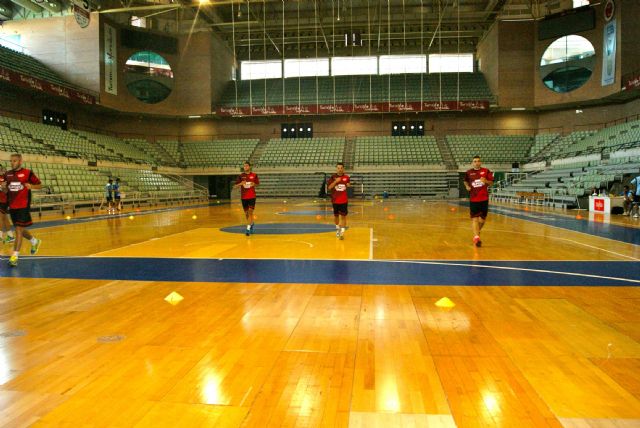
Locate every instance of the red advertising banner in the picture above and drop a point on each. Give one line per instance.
(22, 80)
(632, 82)
(392, 107)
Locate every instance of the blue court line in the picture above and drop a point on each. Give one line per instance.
(53, 223)
(629, 235)
(502, 273)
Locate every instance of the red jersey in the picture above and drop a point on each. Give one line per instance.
(247, 191)
(3, 196)
(18, 195)
(479, 191)
(339, 192)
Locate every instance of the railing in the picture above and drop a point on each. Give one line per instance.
(64, 203)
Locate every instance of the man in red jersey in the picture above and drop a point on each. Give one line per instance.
(477, 181)
(337, 185)
(6, 235)
(18, 184)
(247, 181)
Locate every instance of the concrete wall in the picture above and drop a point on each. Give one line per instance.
(591, 90)
(191, 94)
(63, 46)
(630, 34)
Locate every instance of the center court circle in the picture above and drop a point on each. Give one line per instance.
(282, 228)
(308, 212)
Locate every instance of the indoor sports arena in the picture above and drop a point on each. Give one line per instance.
(320, 213)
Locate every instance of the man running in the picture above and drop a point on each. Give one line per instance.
(337, 186)
(6, 235)
(18, 184)
(477, 181)
(247, 181)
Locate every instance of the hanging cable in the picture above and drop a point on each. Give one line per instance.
(353, 78)
(458, 59)
(333, 48)
(369, 43)
(440, 52)
(283, 59)
(235, 58)
(250, 77)
(404, 48)
(264, 47)
(299, 82)
(421, 54)
(315, 18)
(389, 52)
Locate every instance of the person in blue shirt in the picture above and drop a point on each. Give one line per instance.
(116, 194)
(627, 196)
(636, 183)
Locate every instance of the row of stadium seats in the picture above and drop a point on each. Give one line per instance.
(319, 152)
(563, 183)
(80, 182)
(433, 184)
(357, 89)
(30, 66)
(35, 138)
(227, 153)
(371, 151)
(495, 149)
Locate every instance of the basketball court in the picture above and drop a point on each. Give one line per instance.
(175, 317)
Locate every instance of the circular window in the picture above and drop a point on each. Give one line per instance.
(567, 63)
(148, 77)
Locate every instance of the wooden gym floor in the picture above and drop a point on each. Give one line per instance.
(175, 318)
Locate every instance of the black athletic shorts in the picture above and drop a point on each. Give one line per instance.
(4, 208)
(21, 217)
(109, 198)
(479, 209)
(249, 203)
(636, 198)
(340, 209)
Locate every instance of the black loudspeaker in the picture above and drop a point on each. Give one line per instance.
(296, 130)
(395, 129)
(284, 130)
(55, 118)
(414, 128)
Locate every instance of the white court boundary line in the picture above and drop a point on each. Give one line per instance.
(587, 275)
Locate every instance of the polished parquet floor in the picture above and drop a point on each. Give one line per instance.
(402, 324)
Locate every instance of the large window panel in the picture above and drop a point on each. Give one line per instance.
(353, 66)
(400, 64)
(251, 70)
(451, 63)
(306, 67)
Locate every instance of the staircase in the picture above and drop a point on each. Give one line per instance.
(349, 154)
(447, 156)
(257, 152)
(544, 152)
